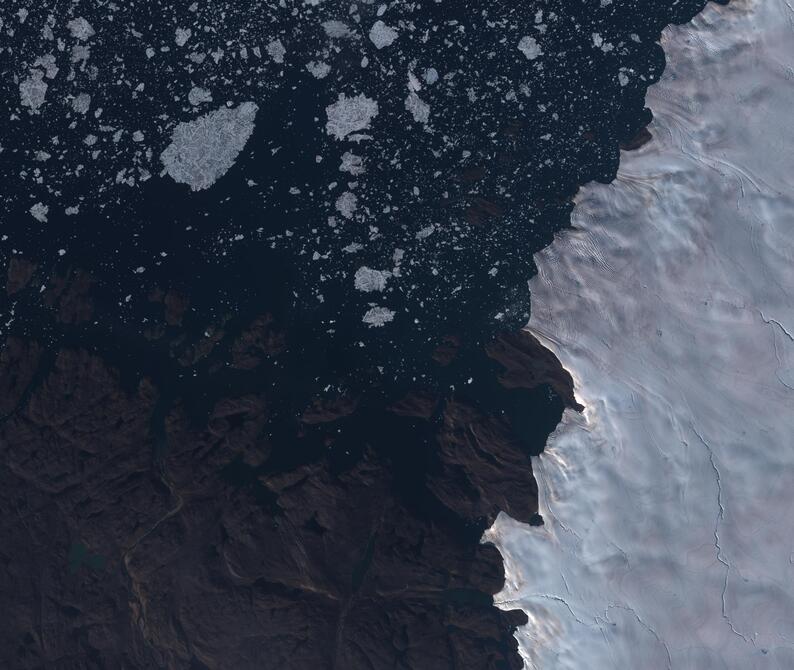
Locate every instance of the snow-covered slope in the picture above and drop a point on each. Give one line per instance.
(669, 505)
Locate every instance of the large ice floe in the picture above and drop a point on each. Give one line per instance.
(204, 150)
(669, 503)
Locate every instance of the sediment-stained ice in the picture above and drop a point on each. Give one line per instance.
(203, 150)
(669, 535)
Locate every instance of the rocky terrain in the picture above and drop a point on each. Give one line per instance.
(139, 533)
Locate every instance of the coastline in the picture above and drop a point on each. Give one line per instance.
(665, 542)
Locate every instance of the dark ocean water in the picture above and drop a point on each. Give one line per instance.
(513, 141)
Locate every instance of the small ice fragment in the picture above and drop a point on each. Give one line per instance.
(382, 35)
(347, 115)
(377, 317)
(529, 47)
(33, 90)
(39, 212)
(198, 96)
(276, 50)
(182, 35)
(346, 204)
(352, 164)
(418, 108)
(337, 29)
(80, 29)
(368, 280)
(81, 103)
(319, 69)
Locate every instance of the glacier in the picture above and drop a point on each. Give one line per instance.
(668, 539)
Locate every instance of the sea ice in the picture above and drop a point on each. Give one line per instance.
(203, 150)
(349, 115)
(376, 317)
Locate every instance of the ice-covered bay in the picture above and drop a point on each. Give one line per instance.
(669, 518)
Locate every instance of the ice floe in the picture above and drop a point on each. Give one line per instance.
(203, 150)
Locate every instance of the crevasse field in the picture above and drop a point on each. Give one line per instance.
(669, 504)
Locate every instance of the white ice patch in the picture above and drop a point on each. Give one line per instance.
(349, 115)
(81, 103)
(318, 69)
(80, 29)
(529, 47)
(368, 280)
(419, 109)
(33, 90)
(47, 61)
(346, 204)
(337, 30)
(39, 212)
(182, 35)
(203, 150)
(198, 96)
(276, 51)
(352, 164)
(377, 317)
(382, 35)
(669, 535)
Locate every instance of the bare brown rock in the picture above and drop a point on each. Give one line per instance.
(19, 360)
(260, 340)
(70, 296)
(325, 410)
(20, 272)
(485, 469)
(140, 551)
(528, 364)
(417, 404)
(642, 138)
(446, 351)
(176, 304)
(481, 210)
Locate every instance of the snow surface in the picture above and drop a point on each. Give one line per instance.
(669, 534)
